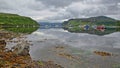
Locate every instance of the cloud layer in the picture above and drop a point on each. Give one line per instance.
(58, 10)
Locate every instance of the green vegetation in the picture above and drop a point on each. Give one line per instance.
(77, 25)
(100, 20)
(17, 23)
(22, 30)
(118, 23)
(14, 20)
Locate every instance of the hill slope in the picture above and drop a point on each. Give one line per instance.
(93, 20)
(11, 20)
(77, 25)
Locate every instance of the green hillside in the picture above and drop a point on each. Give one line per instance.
(77, 25)
(100, 20)
(12, 20)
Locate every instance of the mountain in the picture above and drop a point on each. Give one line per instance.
(93, 20)
(13, 20)
(77, 25)
(45, 25)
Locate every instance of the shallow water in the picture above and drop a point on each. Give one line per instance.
(51, 44)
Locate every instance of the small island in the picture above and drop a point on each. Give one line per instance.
(17, 23)
(92, 25)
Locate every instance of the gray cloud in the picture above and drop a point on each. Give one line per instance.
(58, 3)
(61, 9)
(88, 8)
(4, 5)
(110, 1)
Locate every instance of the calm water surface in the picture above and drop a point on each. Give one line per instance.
(81, 46)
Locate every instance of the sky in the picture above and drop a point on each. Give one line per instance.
(60, 10)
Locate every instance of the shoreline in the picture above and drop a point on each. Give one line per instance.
(19, 55)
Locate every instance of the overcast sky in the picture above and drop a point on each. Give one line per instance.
(58, 10)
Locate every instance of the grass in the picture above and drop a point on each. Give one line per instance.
(22, 30)
(17, 23)
(14, 19)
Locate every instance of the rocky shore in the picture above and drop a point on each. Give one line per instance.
(18, 56)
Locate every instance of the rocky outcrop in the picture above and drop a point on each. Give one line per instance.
(22, 49)
(19, 56)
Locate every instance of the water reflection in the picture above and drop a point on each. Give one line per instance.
(50, 25)
(82, 50)
(97, 30)
(79, 49)
(71, 50)
(104, 31)
(27, 30)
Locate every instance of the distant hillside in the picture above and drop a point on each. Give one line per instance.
(45, 25)
(12, 20)
(76, 25)
(93, 20)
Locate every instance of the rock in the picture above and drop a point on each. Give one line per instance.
(2, 42)
(21, 49)
(102, 53)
